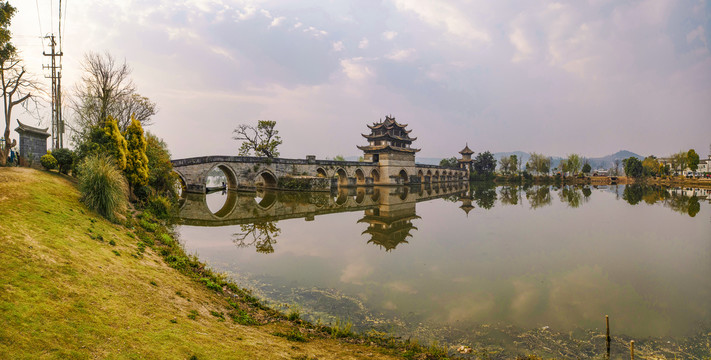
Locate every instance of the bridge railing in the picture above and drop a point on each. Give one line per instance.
(263, 160)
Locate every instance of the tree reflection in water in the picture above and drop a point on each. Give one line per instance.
(261, 235)
(538, 196)
(675, 199)
(509, 195)
(485, 195)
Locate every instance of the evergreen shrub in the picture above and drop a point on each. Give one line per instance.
(48, 161)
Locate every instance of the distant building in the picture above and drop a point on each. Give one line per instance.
(466, 161)
(705, 165)
(33, 141)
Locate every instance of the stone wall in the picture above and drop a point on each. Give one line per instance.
(32, 144)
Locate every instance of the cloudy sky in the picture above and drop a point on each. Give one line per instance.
(552, 77)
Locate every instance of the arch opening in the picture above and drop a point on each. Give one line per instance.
(402, 176)
(342, 177)
(265, 180)
(421, 176)
(320, 172)
(220, 177)
(375, 174)
(360, 177)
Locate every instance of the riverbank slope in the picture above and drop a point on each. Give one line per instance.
(77, 286)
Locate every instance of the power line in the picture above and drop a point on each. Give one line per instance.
(39, 22)
(61, 36)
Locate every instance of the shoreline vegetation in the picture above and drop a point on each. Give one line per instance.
(678, 181)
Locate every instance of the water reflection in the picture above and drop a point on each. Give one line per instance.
(261, 235)
(479, 265)
(538, 196)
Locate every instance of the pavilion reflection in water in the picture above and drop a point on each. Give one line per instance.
(388, 211)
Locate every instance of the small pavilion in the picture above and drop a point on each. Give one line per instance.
(466, 161)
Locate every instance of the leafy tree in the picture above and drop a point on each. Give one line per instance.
(633, 167)
(513, 160)
(161, 177)
(692, 159)
(650, 166)
(114, 143)
(339, 158)
(136, 160)
(680, 161)
(105, 140)
(65, 159)
(449, 163)
(484, 163)
(573, 163)
(263, 139)
(538, 163)
(587, 168)
(505, 164)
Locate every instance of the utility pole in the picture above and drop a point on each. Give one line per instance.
(56, 76)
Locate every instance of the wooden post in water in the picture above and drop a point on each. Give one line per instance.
(632, 349)
(607, 321)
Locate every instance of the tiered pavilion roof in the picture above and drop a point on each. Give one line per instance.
(388, 134)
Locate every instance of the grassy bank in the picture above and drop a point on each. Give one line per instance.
(75, 286)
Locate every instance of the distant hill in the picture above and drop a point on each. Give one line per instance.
(608, 161)
(605, 162)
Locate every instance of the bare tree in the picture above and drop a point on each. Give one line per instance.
(17, 88)
(107, 89)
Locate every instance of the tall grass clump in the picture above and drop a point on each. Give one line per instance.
(103, 187)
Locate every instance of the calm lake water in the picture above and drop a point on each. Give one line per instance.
(506, 270)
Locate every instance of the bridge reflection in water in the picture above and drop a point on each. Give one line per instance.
(388, 211)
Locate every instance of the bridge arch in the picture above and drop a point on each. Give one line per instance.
(229, 175)
(375, 174)
(436, 175)
(429, 175)
(181, 182)
(342, 177)
(320, 172)
(360, 176)
(266, 180)
(421, 176)
(402, 175)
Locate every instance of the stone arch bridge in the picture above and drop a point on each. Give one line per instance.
(250, 173)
